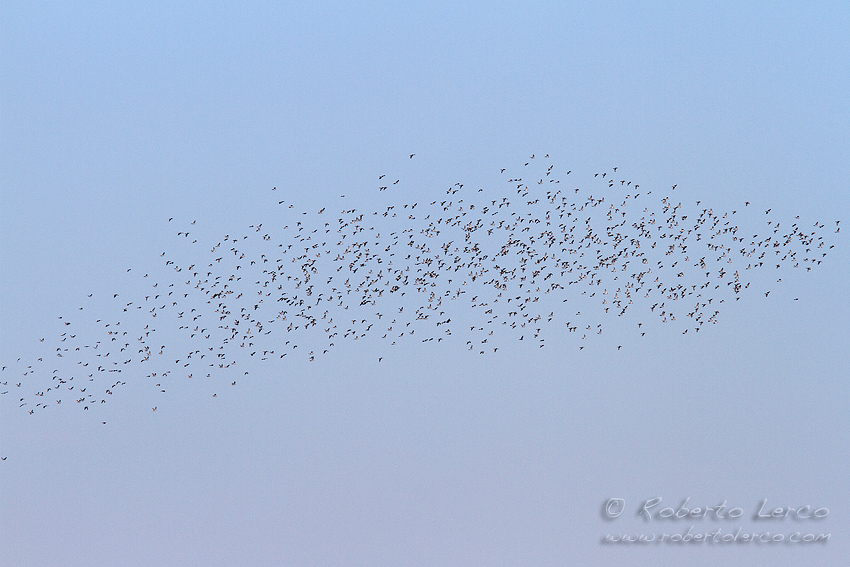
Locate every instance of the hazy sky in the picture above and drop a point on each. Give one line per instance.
(116, 117)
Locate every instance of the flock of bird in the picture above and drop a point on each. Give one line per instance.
(540, 259)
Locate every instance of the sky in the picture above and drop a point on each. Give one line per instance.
(124, 126)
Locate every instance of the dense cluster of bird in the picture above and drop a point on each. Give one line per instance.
(541, 258)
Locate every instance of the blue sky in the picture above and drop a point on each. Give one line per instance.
(115, 118)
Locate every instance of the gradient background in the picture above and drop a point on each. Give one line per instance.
(116, 117)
